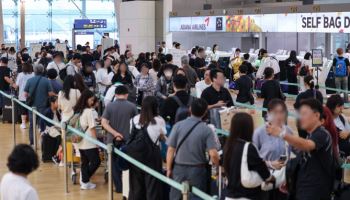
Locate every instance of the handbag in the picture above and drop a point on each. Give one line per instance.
(30, 98)
(249, 179)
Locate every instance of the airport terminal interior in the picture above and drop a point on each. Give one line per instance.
(175, 99)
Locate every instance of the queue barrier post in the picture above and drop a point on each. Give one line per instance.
(110, 181)
(186, 190)
(13, 120)
(64, 148)
(34, 129)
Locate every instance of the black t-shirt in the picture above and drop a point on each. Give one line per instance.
(212, 96)
(234, 188)
(4, 72)
(199, 63)
(314, 179)
(271, 89)
(307, 95)
(169, 108)
(244, 85)
(250, 67)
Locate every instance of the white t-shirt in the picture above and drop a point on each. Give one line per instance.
(66, 105)
(57, 67)
(110, 76)
(268, 62)
(21, 81)
(12, 63)
(154, 130)
(200, 87)
(109, 97)
(134, 71)
(102, 77)
(87, 122)
(14, 187)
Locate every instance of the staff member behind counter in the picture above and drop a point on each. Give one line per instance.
(216, 95)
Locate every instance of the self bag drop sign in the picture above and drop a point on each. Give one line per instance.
(330, 22)
(324, 22)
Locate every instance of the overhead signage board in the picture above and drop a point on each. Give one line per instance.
(331, 22)
(90, 23)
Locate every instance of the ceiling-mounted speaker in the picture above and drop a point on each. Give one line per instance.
(207, 6)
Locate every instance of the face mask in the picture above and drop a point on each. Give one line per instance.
(168, 74)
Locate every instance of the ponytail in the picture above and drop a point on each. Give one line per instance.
(309, 80)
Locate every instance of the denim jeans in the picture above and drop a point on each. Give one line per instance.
(342, 83)
(196, 176)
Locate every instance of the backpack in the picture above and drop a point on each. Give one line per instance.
(140, 146)
(74, 122)
(63, 73)
(340, 67)
(183, 111)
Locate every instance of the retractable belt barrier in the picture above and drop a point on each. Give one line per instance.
(184, 187)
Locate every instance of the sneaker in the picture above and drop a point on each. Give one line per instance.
(87, 186)
(23, 126)
(55, 160)
(61, 164)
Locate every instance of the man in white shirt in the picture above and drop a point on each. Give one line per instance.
(14, 184)
(203, 84)
(74, 65)
(57, 63)
(268, 61)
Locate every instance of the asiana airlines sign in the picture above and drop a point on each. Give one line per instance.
(331, 22)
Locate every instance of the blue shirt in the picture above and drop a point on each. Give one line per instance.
(270, 148)
(56, 86)
(41, 93)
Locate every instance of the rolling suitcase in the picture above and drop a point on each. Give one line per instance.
(7, 111)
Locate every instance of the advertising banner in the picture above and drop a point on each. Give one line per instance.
(331, 22)
(198, 24)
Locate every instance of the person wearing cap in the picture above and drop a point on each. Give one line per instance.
(57, 63)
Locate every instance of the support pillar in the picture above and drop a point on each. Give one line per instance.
(83, 8)
(117, 15)
(311, 41)
(1, 24)
(328, 45)
(262, 40)
(167, 36)
(22, 24)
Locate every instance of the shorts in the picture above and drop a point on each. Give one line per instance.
(22, 110)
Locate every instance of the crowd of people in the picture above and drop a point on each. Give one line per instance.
(178, 111)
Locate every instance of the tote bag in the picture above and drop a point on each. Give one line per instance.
(249, 179)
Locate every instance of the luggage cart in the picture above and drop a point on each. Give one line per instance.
(73, 161)
(101, 135)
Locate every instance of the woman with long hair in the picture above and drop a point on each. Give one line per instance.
(79, 83)
(241, 132)
(89, 153)
(292, 64)
(143, 185)
(123, 76)
(21, 81)
(68, 97)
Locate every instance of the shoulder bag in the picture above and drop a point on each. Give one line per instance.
(30, 98)
(249, 179)
(182, 141)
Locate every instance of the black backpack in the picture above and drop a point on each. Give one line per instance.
(140, 146)
(183, 111)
